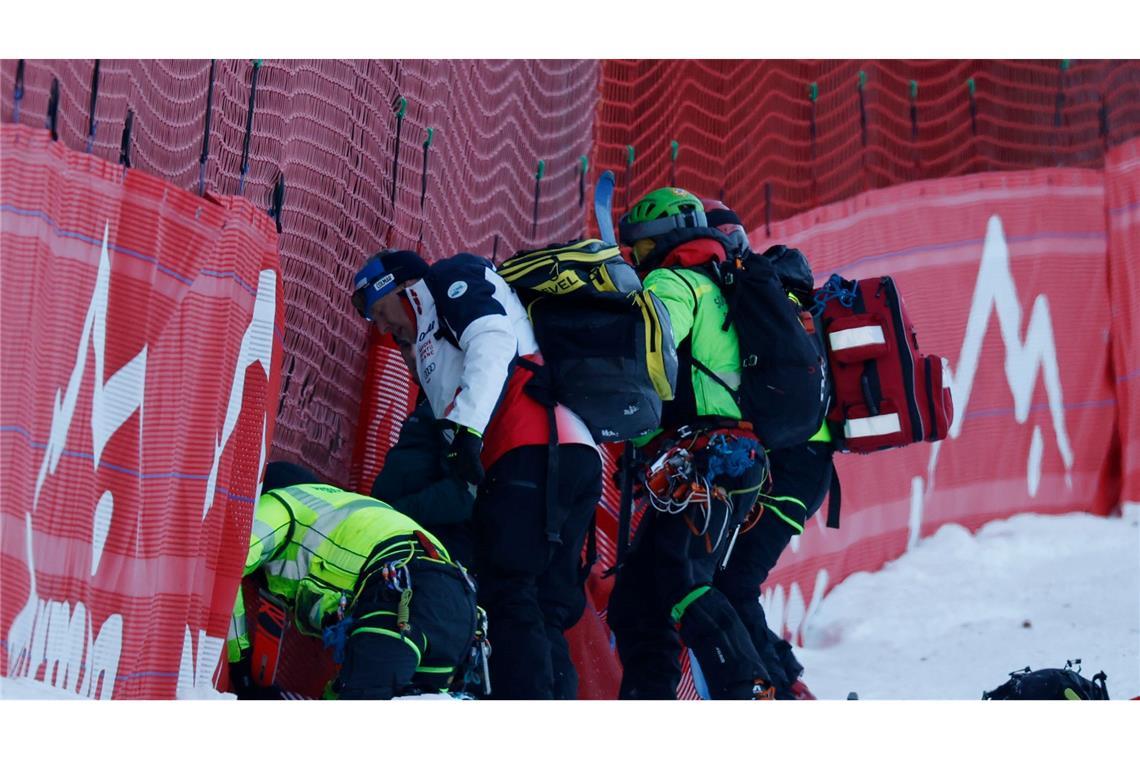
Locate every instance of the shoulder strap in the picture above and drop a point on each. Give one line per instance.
(716, 378)
(833, 499)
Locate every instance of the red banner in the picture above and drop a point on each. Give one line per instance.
(1122, 201)
(140, 362)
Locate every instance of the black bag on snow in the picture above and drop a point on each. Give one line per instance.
(1051, 683)
(607, 346)
(783, 386)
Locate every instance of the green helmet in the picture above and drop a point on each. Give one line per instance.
(661, 211)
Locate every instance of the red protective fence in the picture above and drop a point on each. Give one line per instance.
(329, 128)
(776, 138)
(1122, 202)
(142, 341)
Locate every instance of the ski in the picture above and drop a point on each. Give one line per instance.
(603, 206)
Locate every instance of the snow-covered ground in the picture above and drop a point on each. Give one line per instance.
(952, 617)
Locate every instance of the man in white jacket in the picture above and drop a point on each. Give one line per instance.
(466, 328)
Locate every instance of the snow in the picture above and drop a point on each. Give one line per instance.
(953, 616)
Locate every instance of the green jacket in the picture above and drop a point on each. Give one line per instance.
(312, 541)
(697, 311)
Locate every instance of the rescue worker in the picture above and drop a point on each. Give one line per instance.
(801, 476)
(466, 327)
(706, 470)
(383, 592)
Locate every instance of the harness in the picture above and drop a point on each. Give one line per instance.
(684, 466)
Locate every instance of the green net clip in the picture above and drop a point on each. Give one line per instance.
(970, 86)
(430, 137)
(862, 79)
(813, 91)
(629, 155)
(401, 108)
(541, 169)
(584, 163)
(1065, 64)
(913, 89)
(674, 147)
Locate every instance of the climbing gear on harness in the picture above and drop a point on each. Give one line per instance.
(681, 478)
(475, 671)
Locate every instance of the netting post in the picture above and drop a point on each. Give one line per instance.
(248, 127)
(1102, 115)
(862, 106)
(970, 92)
(813, 96)
(125, 142)
(537, 195)
(91, 107)
(401, 110)
(495, 250)
(674, 149)
(914, 123)
(206, 131)
(423, 187)
(629, 156)
(18, 91)
(1059, 103)
(53, 109)
(583, 167)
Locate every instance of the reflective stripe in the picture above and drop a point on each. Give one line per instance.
(262, 543)
(329, 516)
(394, 635)
(856, 336)
(680, 607)
(867, 427)
(823, 434)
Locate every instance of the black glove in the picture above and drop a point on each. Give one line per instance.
(242, 685)
(463, 455)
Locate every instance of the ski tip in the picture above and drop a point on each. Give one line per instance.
(608, 174)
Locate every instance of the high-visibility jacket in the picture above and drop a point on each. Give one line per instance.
(312, 542)
(697, 312)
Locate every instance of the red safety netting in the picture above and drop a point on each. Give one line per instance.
(141, 366)
(776, 138)
(329, 128)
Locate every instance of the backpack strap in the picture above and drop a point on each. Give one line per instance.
(716, 378)
(591, 549)
(626, 469)
(553, 528)
(834, 497)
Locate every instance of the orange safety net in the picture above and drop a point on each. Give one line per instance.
(776, 138)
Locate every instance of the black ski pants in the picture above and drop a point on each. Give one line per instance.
(664, 594)
(801, 476)
(380, 661)
(532, 588)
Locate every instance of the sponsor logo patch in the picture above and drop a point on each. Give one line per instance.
(456, 289)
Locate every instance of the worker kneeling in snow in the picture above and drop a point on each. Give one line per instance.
(381, 591)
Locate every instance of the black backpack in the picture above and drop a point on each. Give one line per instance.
(607, 346)
(1051, 683)
(783, 386)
